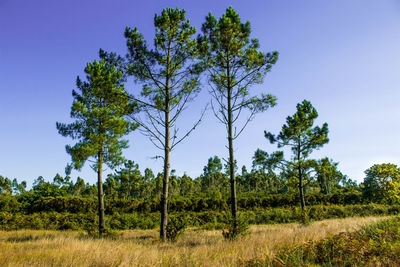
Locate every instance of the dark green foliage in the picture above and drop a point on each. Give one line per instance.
(77, 221)
(328, 175)
(10, 204)
(63, 204)
(127, 183)
(377, 244)
(49, 221)
(234, 64)
(8, 186)
(213, 179)
(210, 219)
(229, 232)
(5, 186)
(207, 190)
(176, 226)
(100, 107)
(170, 79)
(41, 188)
(303, 138)
(31, 203)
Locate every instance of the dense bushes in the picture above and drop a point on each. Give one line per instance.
(195, 203)
(10, 204)
(176, 226)
(33, 212)
(206, 219)
(251, 201)
(50, 221)
(75, 221)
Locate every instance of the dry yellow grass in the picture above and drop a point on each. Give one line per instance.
(142, 248)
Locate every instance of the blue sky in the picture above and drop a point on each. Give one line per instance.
(343, 56)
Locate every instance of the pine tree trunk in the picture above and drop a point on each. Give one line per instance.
(302, 202)
(102, 225)
(164, 197)
(232, 166)
(301, 192)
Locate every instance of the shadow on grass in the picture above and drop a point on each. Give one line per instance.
(26, 238)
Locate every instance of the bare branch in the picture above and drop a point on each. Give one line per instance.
(174, 137)
(216, 114)
(191, 130)
(147, 131)
(219, 100)
(157, 157)
(155, 144)
(154, 126)
(249, 118)
(237, 116)
(180, 108)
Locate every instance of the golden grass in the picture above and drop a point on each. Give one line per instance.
(142, 247)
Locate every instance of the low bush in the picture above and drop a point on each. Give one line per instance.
(176, 226)
(242, 227)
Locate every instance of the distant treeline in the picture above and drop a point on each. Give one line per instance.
(128, 190)
(130, 183)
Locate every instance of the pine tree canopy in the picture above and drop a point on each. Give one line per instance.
(99, 108)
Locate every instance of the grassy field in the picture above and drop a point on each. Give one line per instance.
(142, 247)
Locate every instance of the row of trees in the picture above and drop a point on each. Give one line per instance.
(141, 192)
(169, 73)
(380, 185)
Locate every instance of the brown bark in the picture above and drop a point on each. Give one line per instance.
(232, 162)
(102, 226)
(164, 197)
(301, 192)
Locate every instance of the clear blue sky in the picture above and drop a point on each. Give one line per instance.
(343, 56)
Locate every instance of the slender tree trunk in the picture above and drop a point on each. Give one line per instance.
(102, 225)
(232, 164)
(164, 197)
(301, 192)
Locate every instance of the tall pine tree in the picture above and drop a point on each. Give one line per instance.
(234, 65)
(170, 80)
(99, 108)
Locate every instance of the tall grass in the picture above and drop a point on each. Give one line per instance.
(377, 244)
(143, 248)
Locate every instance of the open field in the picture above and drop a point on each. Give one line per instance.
(142, 247)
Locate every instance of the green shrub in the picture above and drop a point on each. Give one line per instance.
(176, 226)
(10, 204)
(242, 227)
